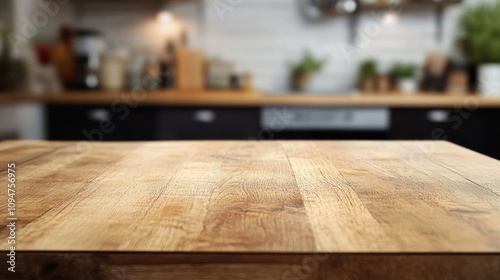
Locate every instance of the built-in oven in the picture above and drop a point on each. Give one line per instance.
(324, 123)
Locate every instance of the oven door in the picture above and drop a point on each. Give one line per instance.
(324, 123)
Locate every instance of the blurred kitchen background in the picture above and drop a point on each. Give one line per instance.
(123, 70)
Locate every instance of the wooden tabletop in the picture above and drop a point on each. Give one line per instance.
(248, 196)
(257, 99)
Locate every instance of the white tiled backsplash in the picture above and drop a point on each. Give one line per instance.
(264, 36)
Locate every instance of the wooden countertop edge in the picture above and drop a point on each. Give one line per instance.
(258, 99)
(256, 253)
(253, 266)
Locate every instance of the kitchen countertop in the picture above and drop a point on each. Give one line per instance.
(257, 208)
(8, 98)
(249, 99)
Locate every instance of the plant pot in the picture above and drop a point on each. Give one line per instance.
(489, 79)
(383, 84)
(407, 85)
(300, 81)
(369, 85)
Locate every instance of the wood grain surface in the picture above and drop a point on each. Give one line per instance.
(254, 210)
(249, 196)
(255, 99)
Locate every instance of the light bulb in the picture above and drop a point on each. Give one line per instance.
(390, 19)
(165, 17)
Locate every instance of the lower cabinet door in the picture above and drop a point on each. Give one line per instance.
(478, 130)
(484, 132)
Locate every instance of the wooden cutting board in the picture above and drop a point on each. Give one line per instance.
(253, 210)
(190, 70)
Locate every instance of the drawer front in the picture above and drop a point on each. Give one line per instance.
(208, 123)
(436, 124)
(100, 123)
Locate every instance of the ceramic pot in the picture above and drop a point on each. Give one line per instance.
(489, 79)
(407, 85)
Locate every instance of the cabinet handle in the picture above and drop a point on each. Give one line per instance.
(204, 116)
(438, 116)
(99, 115)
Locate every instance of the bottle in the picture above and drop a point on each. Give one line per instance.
(167, 67)
(62, 57)
(151, 74)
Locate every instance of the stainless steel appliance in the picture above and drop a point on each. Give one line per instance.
(325, 123)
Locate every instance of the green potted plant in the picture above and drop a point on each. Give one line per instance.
(302, 71)
(368, 72)
(404, 75)
(480, 43)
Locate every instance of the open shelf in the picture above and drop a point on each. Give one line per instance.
(409, 5)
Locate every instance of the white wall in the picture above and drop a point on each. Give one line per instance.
(133, 24)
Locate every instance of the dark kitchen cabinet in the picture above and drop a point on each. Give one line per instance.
(485, 132)
(478, 130)
(123, 123)
(198, 123)
(100, 123)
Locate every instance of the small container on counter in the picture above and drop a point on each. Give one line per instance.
(235, 81)
(247, 84)
(219, 74)
(113, 70)
(135, 69)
